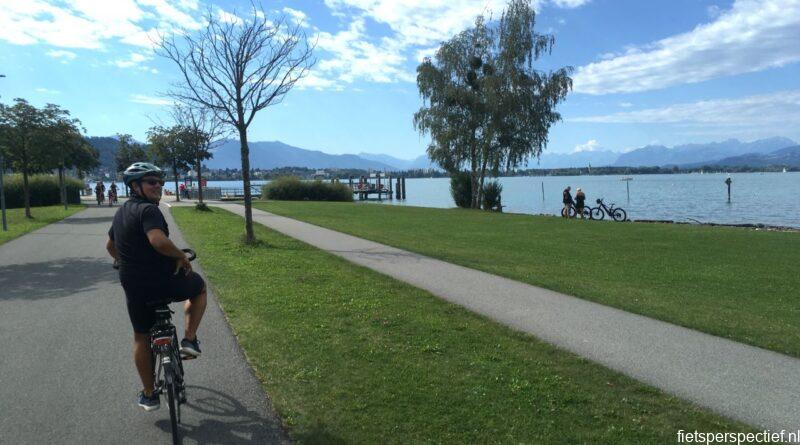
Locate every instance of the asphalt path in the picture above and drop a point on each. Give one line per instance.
(754, 385)
(66, 366)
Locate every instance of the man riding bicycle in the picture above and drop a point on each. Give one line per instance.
(112, 194)
(152, 268)
(100, 192)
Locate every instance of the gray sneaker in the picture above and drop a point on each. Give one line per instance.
(151, 403)
(190, 348)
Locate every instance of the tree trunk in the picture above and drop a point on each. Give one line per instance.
(175, 174)
(26, 193)
(480, 184)
(248, 201)
(199, 180)
(62, 185)
(474, 180)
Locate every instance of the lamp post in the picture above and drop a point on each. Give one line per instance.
(2, 192)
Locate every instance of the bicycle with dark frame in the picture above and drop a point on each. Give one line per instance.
(167, 360)
(616, 213)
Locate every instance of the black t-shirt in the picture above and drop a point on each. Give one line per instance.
(138, 260)
(567, 197)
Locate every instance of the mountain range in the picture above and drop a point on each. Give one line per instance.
(274, 154)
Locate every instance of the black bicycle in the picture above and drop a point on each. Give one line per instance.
(167, 360)
(616, 213)
(572, 212)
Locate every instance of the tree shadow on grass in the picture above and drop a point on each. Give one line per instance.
(54, 279)
(224, 420)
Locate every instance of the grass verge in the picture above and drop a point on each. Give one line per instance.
(18, 225)
(736, 283)
(352, 356)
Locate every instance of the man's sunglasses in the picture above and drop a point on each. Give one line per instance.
(153, 182)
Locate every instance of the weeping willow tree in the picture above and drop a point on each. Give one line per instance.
(485, 106)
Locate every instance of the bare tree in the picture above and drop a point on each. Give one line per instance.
(236, 68)
(204, 131)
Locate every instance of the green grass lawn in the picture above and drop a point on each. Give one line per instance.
(736, 283)
(352, 356)
(18, 225)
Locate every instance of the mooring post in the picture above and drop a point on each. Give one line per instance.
(397, 188)
(628, 186)
(542, 191)
(391, 195)
(728, 183)
(404, 188)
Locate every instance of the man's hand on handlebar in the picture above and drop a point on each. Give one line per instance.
(185, 262)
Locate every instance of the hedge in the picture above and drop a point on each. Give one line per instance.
(290, 188)
(44, 190)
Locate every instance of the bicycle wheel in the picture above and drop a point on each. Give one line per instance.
(619, 215)
(171, 388)
(597, 213)
(586, 212)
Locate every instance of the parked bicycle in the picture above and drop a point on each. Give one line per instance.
(572, 212)
(616, 213)
(167, 360)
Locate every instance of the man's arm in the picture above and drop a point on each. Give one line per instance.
(163, 245)
(112, 249)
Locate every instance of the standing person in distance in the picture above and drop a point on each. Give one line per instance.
(580, 202)
(152, 268)
(568, 202)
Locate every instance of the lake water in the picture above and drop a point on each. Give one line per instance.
(768, 198)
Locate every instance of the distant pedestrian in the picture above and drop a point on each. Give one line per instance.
(100, 192)
(112, 194)
(182, 188)
(580, 199)
(568, 202)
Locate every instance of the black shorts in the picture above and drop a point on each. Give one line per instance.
(139, 292)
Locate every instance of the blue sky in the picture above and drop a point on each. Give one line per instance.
(668, 72)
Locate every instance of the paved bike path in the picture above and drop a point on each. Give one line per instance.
(66, 366)
(754, 385)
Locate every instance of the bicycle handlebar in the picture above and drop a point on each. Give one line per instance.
(192, 254)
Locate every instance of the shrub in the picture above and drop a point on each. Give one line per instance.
(290, 188)
(44, 190)
(491, 195)
(461, 189)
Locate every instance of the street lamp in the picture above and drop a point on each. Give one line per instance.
(2, 192)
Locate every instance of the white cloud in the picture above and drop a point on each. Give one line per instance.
(570, 3)
(226, 17)
(591, 145)
(353, 57)
(47, 91)
(753, 35)
(149, 100)
(61, 54)
(91, 24)
(755, 116)
(625, 104)
(132, 60)
(297, 16)
(416, 29)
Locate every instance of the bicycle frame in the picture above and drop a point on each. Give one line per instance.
(164, 344)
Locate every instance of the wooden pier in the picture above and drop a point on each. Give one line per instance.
(378, 186)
